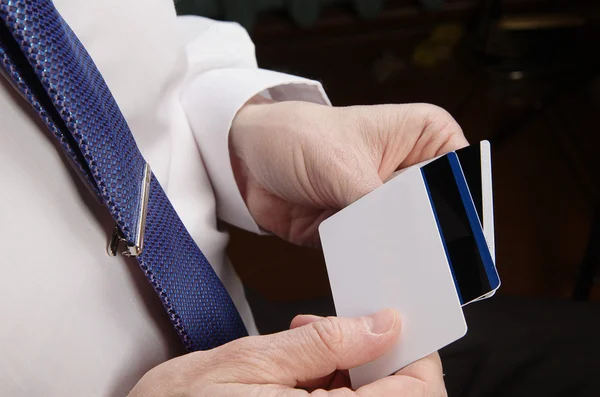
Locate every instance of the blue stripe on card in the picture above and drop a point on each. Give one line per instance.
(476, 228)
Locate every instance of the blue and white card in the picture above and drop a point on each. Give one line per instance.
(423, 244)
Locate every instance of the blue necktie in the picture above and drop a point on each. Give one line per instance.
(47, 64)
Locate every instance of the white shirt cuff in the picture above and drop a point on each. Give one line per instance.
(211, 103)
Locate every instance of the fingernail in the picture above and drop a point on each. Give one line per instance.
(382, 321)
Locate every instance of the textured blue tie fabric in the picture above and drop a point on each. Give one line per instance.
(47, 64)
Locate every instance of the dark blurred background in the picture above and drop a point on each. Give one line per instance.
(523, 74)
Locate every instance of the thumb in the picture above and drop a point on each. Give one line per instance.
(318, 348)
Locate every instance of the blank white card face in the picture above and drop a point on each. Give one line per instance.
(386, 248)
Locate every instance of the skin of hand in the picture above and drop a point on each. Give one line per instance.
(308, 359)
(297, 163)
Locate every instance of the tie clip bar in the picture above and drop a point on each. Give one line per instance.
(117, 238)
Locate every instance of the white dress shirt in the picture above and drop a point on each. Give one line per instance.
(76, 322)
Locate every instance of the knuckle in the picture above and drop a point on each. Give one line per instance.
(437, 111)
(329, 334)
(234, 351)
(434, 114)
(439, 130)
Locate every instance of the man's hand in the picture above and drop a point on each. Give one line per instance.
(306, 360)
(297, 163)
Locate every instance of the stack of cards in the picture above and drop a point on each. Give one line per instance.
(423, 243)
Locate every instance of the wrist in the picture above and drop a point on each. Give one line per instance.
(249, 119)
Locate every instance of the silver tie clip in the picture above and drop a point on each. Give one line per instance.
(117, 238)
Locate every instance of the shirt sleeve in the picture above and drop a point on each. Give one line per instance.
(222, 76)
